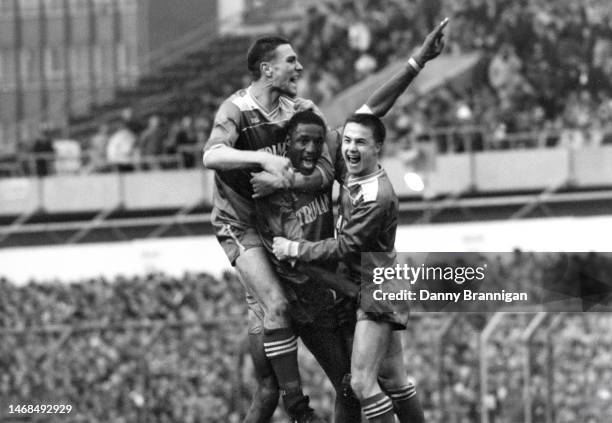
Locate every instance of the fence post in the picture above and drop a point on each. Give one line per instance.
(484, 364)
(527, 338)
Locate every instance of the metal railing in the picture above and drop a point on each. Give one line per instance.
(444, 140)
(45, 164)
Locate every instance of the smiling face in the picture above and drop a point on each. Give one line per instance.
(284, 70)
(305, 146)
(359, 150)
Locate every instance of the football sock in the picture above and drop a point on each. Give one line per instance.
(406, 404)
(378, 409)
(280, 346)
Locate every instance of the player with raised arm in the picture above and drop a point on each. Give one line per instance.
(365, 239)
(401, 393)
(249, 135)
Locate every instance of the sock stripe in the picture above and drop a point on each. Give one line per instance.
(374, 401)
(282, 341)
(379, 408)
(275, 354)
(377, 404)
(288, 345)
(275, 347)
(403, 393)
(409, 386)
(403, 397)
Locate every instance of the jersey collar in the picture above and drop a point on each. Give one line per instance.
(260, 106)
(366, 178)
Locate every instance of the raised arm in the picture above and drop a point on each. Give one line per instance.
(381, 101)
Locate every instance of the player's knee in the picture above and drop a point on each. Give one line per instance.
(279, 304)
(278, 312)
(263, 404)
(267, 389)
(269, 396)
(390, 382)
(362, 383)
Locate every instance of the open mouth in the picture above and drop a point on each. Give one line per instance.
(352, 159)
(308, 162)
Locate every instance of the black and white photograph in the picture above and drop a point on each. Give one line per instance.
(316, 211)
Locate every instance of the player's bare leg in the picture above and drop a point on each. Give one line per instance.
(394, 381)
(279, 341)
(369, 346)
(261, 281)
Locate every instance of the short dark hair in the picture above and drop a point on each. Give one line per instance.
(262, 50)
(370, 121)
(305, 116)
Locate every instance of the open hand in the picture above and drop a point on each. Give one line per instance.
(302, 104)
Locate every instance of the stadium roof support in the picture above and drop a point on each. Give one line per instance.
(539, 201)
(91, 225)
(437, 207)
(16, 225)
(525, 204)
(176, 220)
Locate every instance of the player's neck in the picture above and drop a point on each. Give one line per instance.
(265, 95)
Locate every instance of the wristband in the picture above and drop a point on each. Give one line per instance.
(415, 65)
(293, 249)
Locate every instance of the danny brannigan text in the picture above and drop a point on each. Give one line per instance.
(466, 295)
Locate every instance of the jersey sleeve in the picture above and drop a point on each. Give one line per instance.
(356, 233)
(225, 127)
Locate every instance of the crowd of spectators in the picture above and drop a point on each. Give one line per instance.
(547, 66)
(160, 349)
(544, 81)
(124, 144)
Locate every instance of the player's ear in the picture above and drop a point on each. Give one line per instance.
(378, 147)
(266, 69)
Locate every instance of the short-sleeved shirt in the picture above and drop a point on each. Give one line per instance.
(366, 227)
(258, 130)
(365, 239)
(299, 215)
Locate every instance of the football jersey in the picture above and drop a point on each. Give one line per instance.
(299, 215)
(295, 215)
(258, 130)
(365, 231)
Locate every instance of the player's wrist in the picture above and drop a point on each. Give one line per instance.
(262, 159)
(416, 63)
(292, 183)
(293, 250)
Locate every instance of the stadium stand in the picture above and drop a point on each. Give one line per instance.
(155, 349)
(525, 94)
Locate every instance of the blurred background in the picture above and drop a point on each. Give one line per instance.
(116, 299)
